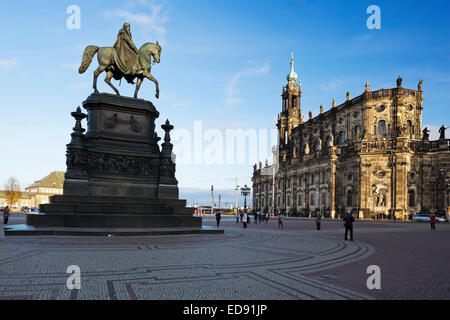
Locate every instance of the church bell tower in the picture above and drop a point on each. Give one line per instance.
(290, 116)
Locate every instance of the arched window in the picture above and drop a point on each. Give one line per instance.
(328, 142)
(412, 198)
(409, 129)
(311, 200)
(382, 127)
(355, 132)
(349, 198)
(341, 137)
(316, 145)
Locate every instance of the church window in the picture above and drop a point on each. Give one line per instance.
(412, 198)
(409, 128)
(349, 198)
(355, 131)
(341, 137)
(382, 127)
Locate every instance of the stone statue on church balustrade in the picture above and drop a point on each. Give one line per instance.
(426, 134)
(442, 132)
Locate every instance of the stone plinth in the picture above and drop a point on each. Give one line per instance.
(117, 175)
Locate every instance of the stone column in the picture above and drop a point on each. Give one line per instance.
(76, 157)
(333, 184)
(167, 186)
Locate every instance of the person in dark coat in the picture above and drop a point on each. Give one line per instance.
(218, 217)
(318, 220)
(348, 224)
(6, 212)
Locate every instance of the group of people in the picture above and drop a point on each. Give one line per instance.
(244, 217)
(258, 217)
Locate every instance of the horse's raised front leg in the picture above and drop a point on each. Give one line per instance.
(151, 78)
(108, 78)
(138, 85)
(97, 72)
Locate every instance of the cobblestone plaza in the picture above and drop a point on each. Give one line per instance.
(257, 263)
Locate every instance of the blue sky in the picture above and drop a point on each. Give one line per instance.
(223, 63)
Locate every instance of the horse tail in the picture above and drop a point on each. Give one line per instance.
(88, 55)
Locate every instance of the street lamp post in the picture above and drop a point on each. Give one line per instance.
(212, 199)
(236, 189)
(245, 191)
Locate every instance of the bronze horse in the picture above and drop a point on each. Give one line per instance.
(106, 61)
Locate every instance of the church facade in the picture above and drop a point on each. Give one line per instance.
(368, 155)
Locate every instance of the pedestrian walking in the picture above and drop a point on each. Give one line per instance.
(238, 215)
(433, 222)
(348, 224)
(6, 212)
(318, 220)
(280, 221)
(218, 216)
(244, 219)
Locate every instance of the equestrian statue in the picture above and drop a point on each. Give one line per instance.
(123, 60)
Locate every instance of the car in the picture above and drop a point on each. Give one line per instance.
(426, 218)
(34, 209)
(24, 209)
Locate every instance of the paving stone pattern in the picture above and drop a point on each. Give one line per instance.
(260, 262)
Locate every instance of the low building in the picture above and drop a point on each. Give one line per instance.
(38, 193)
(369, 155)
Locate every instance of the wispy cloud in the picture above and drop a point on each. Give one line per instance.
(232, 87)
(6, 64)
(334, 84)
(148, 16)
(72, 66)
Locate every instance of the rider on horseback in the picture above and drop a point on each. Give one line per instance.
(126, 54)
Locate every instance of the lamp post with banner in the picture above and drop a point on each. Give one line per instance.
(245, 191)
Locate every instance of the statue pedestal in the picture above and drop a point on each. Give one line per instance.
(117, 176)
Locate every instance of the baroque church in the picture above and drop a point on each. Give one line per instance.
(368, 155)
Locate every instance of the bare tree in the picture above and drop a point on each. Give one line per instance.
(12, 188)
